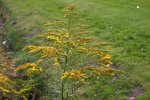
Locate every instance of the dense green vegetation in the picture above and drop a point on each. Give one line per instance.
(119, 23)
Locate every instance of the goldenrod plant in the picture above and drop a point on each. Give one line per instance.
(61, 57)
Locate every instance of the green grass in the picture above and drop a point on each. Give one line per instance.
(118, 22)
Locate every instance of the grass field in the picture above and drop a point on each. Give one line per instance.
(118, 22)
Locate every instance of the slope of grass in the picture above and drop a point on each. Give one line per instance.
(118, 22)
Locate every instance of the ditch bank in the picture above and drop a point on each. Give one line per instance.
(6, 60)
(3, 54)
(4, 16)
(10, 36)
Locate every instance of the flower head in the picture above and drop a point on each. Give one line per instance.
(74, 75)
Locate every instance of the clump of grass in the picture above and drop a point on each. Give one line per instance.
(13, 37)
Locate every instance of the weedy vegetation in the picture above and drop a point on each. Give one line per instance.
(53, 70)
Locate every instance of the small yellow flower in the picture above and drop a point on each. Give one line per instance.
(65, 75)
(107, 57)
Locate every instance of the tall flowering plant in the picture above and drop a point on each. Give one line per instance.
(65, 45)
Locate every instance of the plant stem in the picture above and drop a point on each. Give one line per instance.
(63, 82)
(66, 62)
(62, 91)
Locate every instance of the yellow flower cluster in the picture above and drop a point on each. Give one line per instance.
(67, 10)
(4, 90)
(26, 66)
(74, 75)
(55, 33)
(6, 85)
(42, 51)
(58, 36)
(83, 49)
(105, 60)
(24, 90)
(4, 79)
(30, 67)
(33, 70)
(4, 82)
(107, 57)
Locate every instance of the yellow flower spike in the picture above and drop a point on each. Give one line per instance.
(42, 51)
(110, 63)
(4, 79)
(107, 57)
(71, 6)
(65, 75)
(34, 69)
(31, 70)
(27, 66)
(74, 75)
(23, 91)
(67, 10)
(4, 90)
